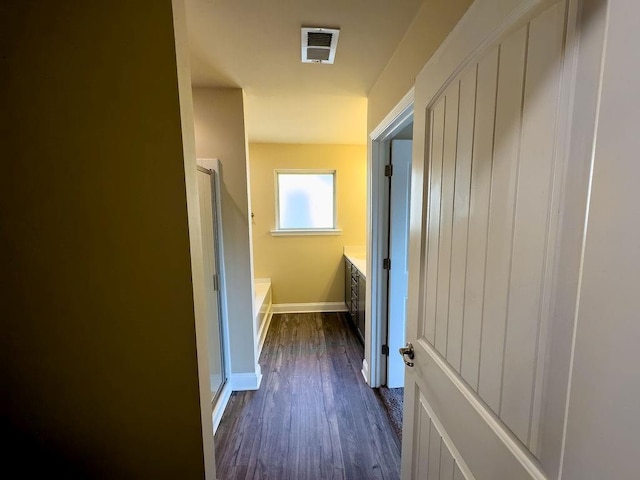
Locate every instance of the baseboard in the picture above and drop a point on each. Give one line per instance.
(236, 382)
(264, 328)
(309, 307)
(217, 409)
(365, 370)
(246, 381)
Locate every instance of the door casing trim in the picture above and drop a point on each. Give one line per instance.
(374, 363)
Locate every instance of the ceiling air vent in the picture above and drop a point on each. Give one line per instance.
(319, 44)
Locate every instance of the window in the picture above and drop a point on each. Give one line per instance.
(305, 202)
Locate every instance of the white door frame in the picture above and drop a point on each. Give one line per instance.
(373, 365)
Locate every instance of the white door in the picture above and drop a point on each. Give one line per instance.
(488, 277)
(210, 255)
(399, 254)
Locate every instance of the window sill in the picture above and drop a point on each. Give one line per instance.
(297, 233)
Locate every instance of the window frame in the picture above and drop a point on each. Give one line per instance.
(277, 230)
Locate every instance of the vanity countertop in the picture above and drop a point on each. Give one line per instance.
(359, 261)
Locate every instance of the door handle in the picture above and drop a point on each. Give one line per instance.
(407, 353)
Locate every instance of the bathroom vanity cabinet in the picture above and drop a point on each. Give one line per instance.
(354, 295)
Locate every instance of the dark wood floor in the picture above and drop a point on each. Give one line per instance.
(314, 417)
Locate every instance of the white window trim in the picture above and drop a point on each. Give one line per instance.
(282, 232)
(305, 231)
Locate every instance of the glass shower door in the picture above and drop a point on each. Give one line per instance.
(210, 247)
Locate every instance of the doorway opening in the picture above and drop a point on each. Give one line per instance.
(390, 184)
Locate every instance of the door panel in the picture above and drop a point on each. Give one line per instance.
(460, 227)
(440, 462)
(399, 254)
(483, 251)
(432, 239)
(501, 215)
(488, 449)
(532, 227)
(443, 269)
(484, 122)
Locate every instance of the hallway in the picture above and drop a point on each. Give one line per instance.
(314, 417)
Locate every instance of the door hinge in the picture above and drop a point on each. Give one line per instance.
(385, 349)
(388, 170)
(386, 264)
(215, 283)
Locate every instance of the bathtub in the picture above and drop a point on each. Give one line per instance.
(262, 309)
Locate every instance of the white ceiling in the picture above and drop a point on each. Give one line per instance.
(255, 45)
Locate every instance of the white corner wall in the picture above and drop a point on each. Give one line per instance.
(220, 133)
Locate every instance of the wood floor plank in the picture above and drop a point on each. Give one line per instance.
(314, 417)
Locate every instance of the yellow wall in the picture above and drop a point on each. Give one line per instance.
(432, 24)
(306, 269)
(97, 348)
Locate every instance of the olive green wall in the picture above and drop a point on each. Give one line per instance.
(97, 346)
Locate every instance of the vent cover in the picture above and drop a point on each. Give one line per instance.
(319, 44)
